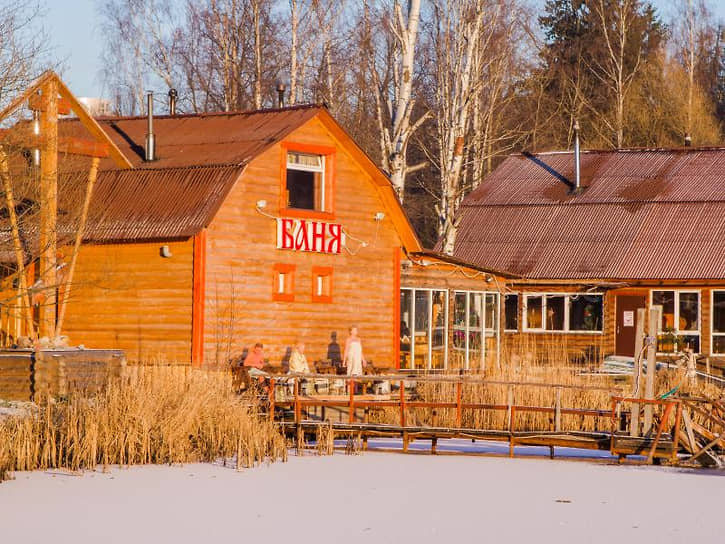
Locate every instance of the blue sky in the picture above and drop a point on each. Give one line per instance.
(74, 30)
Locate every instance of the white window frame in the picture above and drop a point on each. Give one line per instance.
(677, 331)
(310, 168)
(485, 329)
(411, 326)
(518, 316)
(567, 302)
(713, 334)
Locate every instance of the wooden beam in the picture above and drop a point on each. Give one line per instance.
(92, 126)
(35, 103)
(92, 175)
(20, 99)
(48, 239)
(17, 244)
(86, 148)
(655, 318)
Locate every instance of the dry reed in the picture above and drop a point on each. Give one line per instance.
(151, 415)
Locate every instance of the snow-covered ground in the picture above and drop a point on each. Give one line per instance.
(373, 497)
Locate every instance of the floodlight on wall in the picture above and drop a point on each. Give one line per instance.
(165, 252)
(261, 204)
(379, 216)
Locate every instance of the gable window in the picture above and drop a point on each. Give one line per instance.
(680, 324)
(283, 282)
(556, 312)
(321, 284)
(511, 312)
(307, 179)
(718, 322)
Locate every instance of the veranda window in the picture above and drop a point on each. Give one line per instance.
(680, 324)
(475, 329)
(718, 322)
(423, 326)
(568, 312)
(511, 312)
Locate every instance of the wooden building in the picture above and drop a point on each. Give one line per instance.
(644, 227)
(269, 226)
(205, 234)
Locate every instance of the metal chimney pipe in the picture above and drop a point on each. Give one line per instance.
(172, 101)
(280, 94)
(150, 140)
(577, 158)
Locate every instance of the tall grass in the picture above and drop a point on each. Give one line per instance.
(150, 415)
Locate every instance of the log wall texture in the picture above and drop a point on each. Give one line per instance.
(129, 297)
(241, 256)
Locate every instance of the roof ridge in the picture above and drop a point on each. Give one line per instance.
(589, 202)
(221, 165)
(296, 107)
(682, 149)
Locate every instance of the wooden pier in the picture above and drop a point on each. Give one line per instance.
(353, 413)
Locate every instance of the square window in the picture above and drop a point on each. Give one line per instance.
(321, 284)
(307, 180)
(283, 282)
(680, 325)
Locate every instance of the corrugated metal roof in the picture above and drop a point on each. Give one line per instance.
(648, 214)
(200, 139)
(144, 204)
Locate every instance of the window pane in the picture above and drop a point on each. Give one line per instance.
(301, 189)
(533, 312)
(511, 311)
(406, 299)
(491, 311)
(459, 321)
(585, 312)
(689, 312)
(688, 341)
(306, 160)
(718, 312)
(666, 299)
(420, 334)
(555, 313)
(475, 305)
(718, 344)
(439, 329)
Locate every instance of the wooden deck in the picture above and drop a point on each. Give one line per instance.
(349, 415)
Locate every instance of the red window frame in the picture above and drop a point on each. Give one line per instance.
(278, 269)
(329, 181)
(325, 272)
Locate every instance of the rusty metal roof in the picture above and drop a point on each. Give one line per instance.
(201, 139)
(147, 204)
(199, 158)
(643, 214)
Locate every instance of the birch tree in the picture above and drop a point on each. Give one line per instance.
(461, 31)
(617, 67)
(394, 100)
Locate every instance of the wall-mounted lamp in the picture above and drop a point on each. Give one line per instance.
(165, 252)
(489, 278)
(379, 216)
(261, 204)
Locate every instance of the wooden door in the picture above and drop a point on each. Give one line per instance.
(627, 306)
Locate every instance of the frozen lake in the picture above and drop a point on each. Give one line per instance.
(373, 497)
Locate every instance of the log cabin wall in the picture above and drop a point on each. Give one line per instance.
(241, 256)
(129, 297)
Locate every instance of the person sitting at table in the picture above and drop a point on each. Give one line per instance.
(298, 361)
(254, 363)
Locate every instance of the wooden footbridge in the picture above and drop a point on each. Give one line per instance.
(439, 407)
